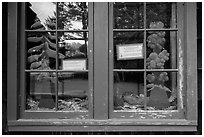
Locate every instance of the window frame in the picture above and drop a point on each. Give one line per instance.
(163, 114)
(101, 121)
(54, 114)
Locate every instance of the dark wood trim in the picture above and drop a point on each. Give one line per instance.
(102, 125)
(90, 58)
(102, 128)
(111, 60)
(148, 70)
(57, 30)
(23, 48)
(191, 44)
(122, 122)
(100, 60)
(181, 84)
(12, 61)
(133, 30)
(174, 114)
(56, 115)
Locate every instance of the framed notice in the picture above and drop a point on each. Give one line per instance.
(130, 51)
(74, 64)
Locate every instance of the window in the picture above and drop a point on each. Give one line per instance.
(102, 66)
(145, 60)
(58, 68)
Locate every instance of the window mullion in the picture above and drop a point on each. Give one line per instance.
(101, 60)
(145, 73)
(56, 96)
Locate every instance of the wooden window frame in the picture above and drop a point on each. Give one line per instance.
(101, 120)
(26, 114)
(167, 114)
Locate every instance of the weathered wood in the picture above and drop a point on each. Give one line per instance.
(52, 114)
(180, 59)
(12, 62)
(90, 59)
(111, 63)
(191, 49)
(173, 48)
(100, 60)
(163, 114)
(102, 125)
(109, 122)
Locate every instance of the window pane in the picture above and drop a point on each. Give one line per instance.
(128, 50)
(40, 91)
(73, 45)
(164, 13)
(73, 15)
(162, 91)
(128, 90)
(161, 50)
(41, 15)
(41, 51)
(73, 91)
(128, 15)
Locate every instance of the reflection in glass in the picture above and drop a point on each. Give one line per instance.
(73, 45)
(162, 91)
(128, 90)
(161, 12)
(73, 91)
(41, 51)
(73, 15)
(125, 38)
(40, 91)
(41, 15)
(128, 15)
(161, 50)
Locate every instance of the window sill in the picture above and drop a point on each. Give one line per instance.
(101, 125)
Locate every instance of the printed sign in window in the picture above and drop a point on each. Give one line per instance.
(74, 64)
(130, 51)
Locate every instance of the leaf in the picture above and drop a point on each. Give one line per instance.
(37, 25)
(33, 58)
(50, 43)
(52, 37)
(34, 39)
(36, 48)
(166, 89)
(51, 25)
(150, 85)
(35, 65)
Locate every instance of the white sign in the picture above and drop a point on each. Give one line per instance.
(130, 51)
(74, 64)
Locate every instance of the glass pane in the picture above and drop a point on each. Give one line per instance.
(40, 91)
(128, 90)
(161, 15)
(128, 15)
(128, 50)
(41, 51)
(162, 91)
(41, 15)
(73, 91)
(73, 15)
(161, 50)
(73, 45)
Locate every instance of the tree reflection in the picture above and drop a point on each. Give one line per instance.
(73, 15)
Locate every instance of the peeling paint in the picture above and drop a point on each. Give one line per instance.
(181, 77)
